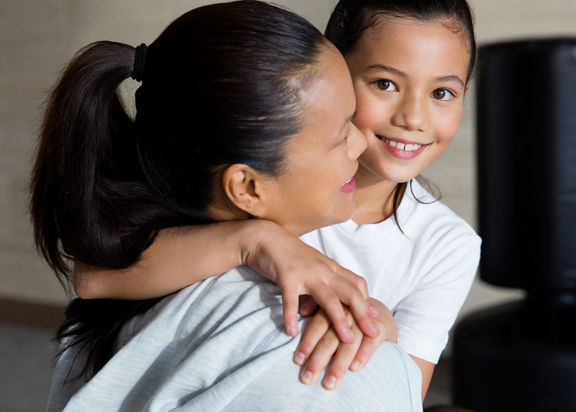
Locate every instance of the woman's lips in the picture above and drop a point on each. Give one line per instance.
(349, 186)
(402, 150)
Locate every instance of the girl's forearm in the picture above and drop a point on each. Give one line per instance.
(178, 257)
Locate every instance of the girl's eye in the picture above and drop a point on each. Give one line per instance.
(442, 94)
(385, 85)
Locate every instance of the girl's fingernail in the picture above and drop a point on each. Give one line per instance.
(299, 358)
(330, 382)
(374, 311)
(355, 366)
(347, 334)
(292, 328)
(307, 377)
(374, 329)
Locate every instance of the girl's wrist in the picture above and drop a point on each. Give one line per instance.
(253, 237)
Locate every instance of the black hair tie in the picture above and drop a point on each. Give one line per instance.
(139, 62)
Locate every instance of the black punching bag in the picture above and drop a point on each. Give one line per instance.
(521, 356)
(526, 140)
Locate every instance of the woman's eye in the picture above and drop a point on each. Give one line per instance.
(442, 94)
(386, 85)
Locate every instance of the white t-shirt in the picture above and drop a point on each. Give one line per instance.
(423, 275)
(220, 345)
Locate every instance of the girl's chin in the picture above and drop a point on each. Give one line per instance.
(389, 169)
(397, 177)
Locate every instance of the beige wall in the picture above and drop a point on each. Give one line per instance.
(38, 36)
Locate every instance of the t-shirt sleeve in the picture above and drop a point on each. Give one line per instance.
(426, 315)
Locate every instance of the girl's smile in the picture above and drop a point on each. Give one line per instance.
(402, 149)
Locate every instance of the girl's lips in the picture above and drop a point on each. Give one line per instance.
(402, 150)
(349, 186)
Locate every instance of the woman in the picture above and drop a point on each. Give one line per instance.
(243, 108)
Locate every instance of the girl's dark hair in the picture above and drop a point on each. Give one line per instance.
(351, 18)
(221, 85)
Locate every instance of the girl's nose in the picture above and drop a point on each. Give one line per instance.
(411, 113)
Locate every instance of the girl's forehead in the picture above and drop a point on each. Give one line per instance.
(399, 32)
(452, 24)
(412, 46)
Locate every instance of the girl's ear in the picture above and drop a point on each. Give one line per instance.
(244, 187)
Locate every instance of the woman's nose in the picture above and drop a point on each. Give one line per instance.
(356, 143)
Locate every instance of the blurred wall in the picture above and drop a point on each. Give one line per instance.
(37, 37)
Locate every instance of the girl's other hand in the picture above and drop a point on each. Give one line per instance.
(320, 345)
(299, 269)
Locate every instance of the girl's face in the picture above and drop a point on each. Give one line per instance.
(409, 77)
(316, 189)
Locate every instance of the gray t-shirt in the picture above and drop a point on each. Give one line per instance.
(220, 345)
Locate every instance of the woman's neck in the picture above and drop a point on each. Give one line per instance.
(373, 197)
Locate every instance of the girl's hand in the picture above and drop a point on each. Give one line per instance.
(299, 270)
(319, 345)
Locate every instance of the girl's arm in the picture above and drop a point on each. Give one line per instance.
(182, 256)
(177, 258)
(427, 370)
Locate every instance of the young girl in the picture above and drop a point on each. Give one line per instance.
(226, 128)
(411, 61)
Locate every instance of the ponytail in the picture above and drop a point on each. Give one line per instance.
(72, 195)
(88, 194)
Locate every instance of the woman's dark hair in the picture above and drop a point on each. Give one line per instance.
(351, 18)
(221, 85)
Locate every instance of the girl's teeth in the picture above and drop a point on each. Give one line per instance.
(402, 146)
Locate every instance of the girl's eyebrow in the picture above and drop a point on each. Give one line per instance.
(400, 73)
(389, 69)
(451, 78)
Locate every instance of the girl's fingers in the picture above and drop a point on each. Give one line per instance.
(290, 312)
(341, 362)
(362, 309)
(365, 352)
(314, 331)
(365, 313)
(320, 357)
(356, 282)
(331, 303)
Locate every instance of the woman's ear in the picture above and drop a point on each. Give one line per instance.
(244, 188)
